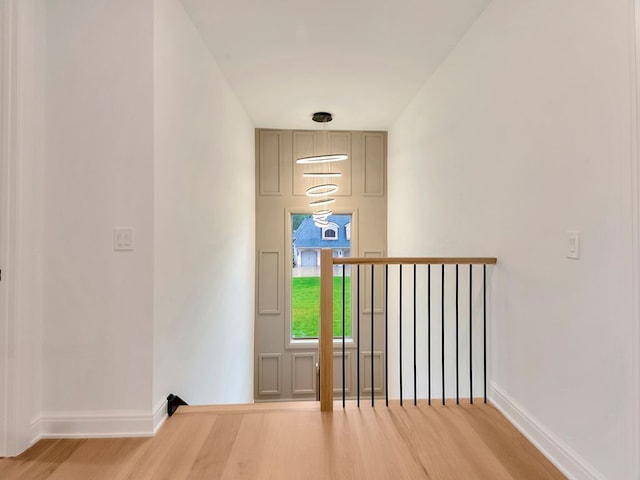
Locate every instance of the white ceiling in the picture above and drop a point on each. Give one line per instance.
(362, 60)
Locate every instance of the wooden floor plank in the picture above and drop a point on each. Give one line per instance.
(99, 459)
(40, 461)
(291, 445)
(419, 433)
(247, 408)
(297, 441)
(341, 460)
(244, 460)
(172, 453)
(468, 445)
(212, 457)
(383, 446)
(509, 446)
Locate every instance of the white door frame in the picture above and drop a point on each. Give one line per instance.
(635, 226)
(7, 123)
(21, 30)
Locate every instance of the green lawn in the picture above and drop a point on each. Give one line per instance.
(305, 306)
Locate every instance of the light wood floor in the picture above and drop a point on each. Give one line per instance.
(296, 441)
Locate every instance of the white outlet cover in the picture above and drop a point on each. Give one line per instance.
(573, 244)
(123, 239)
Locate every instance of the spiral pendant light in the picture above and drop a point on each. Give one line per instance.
(320, 193)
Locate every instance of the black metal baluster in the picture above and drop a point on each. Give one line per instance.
(471, 333)
(443, 399)
(429, 330)
(358, 343)
(457, 353)
(400, 333)
(484, 306)
(386, 334)
(344, 309)
(372, 312)
(415, 368)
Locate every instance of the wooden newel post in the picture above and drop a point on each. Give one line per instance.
(326, 330)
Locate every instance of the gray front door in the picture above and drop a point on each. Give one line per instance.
(286, 348)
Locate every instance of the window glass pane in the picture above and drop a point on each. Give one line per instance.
(308, 239)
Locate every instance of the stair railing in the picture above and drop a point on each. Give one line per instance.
(326, 322)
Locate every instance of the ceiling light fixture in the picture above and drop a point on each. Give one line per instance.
(324, 189)
(321, 214)
(323, 158)
(321, 190)
(321, 222)
(324, 201)
(321, 174)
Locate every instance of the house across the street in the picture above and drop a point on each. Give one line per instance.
(309, 239)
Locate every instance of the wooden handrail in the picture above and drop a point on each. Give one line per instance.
(326, 330)
(416, 260)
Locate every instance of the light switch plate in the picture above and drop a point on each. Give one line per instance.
(123, 239)
(573, 244)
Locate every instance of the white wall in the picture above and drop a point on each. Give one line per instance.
(98, 304)
(77, 339)
(204, 222)
(522, 134)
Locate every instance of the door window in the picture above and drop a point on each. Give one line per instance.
(308, 239)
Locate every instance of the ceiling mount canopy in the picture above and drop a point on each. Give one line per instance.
(322, 117)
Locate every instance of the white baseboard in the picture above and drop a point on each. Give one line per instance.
(559, 453)
(102, 424)
(159, 415)
(36, 431)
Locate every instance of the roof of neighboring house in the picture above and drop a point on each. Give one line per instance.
(308, 235)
